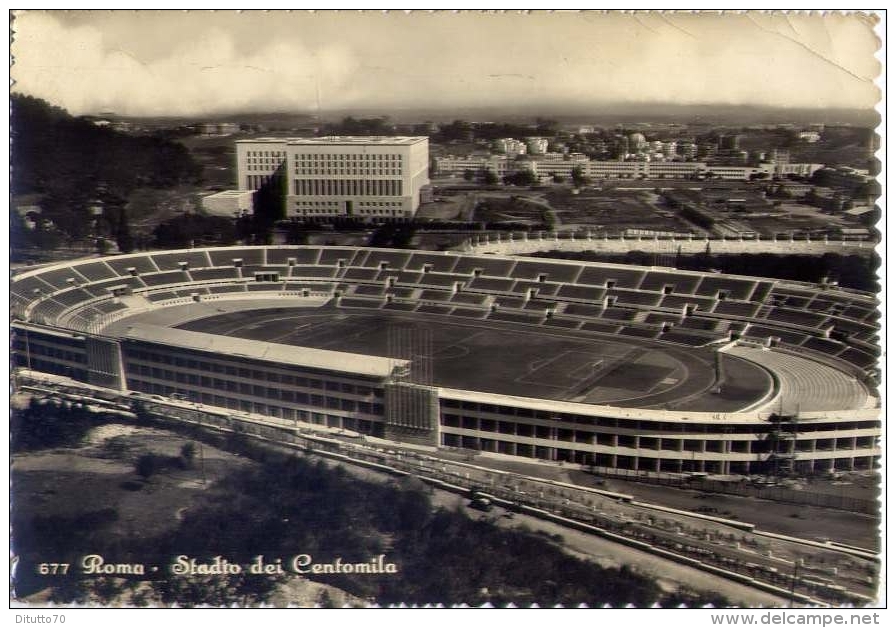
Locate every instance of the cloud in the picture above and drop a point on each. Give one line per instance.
(73, 66)
(192, 63)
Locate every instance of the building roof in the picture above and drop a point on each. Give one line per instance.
(266, 140)
(684, 417)
(340, 140)
(321, 359)
(359, 140)
(230, 194)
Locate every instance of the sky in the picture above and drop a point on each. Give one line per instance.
(193, 63)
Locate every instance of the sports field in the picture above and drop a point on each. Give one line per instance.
(519, 360)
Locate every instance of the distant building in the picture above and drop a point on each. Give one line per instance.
(554, 164)
(830, 200)
(373, 177)
(615, 169)
(510, 146)
(796, 170)
(850, 179)
(737, 173)
(537, 145)
(219, 128)
(636, 142)
(673, 169)
(624, 148)
(810, 136)
(729, 142)
(707, 150)
(456, 166)
(669, 149)
(688, 150)
(780, 156)
(793, 189)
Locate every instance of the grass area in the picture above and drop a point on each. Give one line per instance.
(83, 500)
(217, 155)
(614, 210)
(75, 501)
(511, 208)
(506, 358)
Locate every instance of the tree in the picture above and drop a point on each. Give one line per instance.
(489, 177)
(392, 235)
(545, 126)
(146, 466)
(97, 163)
(325, 600)
(524, 177)
(297, 233)
(469, 175)
(123, 237)
(144, 416)
(188, 229)
(457, 130)
(578, 176)
(188, 453)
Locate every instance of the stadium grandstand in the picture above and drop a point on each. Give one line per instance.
(615, 366)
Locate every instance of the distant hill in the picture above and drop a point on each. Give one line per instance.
(604, 114)
(618, 113)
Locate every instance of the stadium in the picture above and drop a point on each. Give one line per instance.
(614, 366)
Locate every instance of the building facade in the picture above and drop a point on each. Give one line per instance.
(258, 160)
(376, 178)
(562, 165)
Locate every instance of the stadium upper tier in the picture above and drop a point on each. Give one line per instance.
(681, 307)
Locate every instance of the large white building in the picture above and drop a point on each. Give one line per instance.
(326, 177)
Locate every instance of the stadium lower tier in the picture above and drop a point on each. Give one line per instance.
(99, 321)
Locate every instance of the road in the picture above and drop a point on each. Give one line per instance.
(668, 574)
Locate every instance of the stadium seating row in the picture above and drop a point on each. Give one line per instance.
(647, 302)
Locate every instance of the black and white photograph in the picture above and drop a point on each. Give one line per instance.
(447, 309)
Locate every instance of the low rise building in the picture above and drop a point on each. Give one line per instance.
(229, 203)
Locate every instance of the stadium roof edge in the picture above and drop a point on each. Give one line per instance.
(669, 416)
(321, 359)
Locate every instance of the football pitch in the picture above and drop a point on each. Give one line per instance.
(512, 359)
